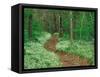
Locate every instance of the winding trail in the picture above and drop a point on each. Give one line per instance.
(66, 59)
(71, 60)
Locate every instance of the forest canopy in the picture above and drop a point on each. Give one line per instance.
(76, 25)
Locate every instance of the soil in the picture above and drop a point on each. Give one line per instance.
(66, 59)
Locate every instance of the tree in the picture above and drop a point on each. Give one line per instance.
(28, 24)
(30, 27)
(71, 25)
(82, 15)
(60, 26)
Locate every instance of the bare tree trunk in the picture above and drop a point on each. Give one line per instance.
(82, 20)
(60, 26)
(30, 27)
(71, 26)
(45, 19)
(55, 22)
(59, 23)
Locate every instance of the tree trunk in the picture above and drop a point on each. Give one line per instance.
(82, 21)
(71, 26)
(55, 23)
(30, 27)
(60, 26)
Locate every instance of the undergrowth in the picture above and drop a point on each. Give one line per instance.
(83, 49)
(38, 57)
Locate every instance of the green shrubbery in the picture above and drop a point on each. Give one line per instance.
(83, 49)
(38, 57)
(44, 37)
(63, 27)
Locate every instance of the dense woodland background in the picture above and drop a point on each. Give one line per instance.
(73, 32)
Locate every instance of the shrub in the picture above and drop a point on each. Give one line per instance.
(38, 57)
(44, 37)
(63, 45)
(83, 49)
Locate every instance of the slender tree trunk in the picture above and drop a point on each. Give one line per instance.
(55, 22)
(71, 26)
(30, 27)
(59, 23)
(45, 20)
(82, 21)
(61, 27)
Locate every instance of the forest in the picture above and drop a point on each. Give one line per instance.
(58, 38)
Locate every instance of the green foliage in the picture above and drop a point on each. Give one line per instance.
(44, 37)
(84, 27)
(38, 57)
(83, 23)
(63, 45)
(37, 27)
(41, 37)
(26, 37)
(45, 23)
(83, 49)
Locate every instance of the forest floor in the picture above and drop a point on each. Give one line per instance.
(67, 59)
(71, 60)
